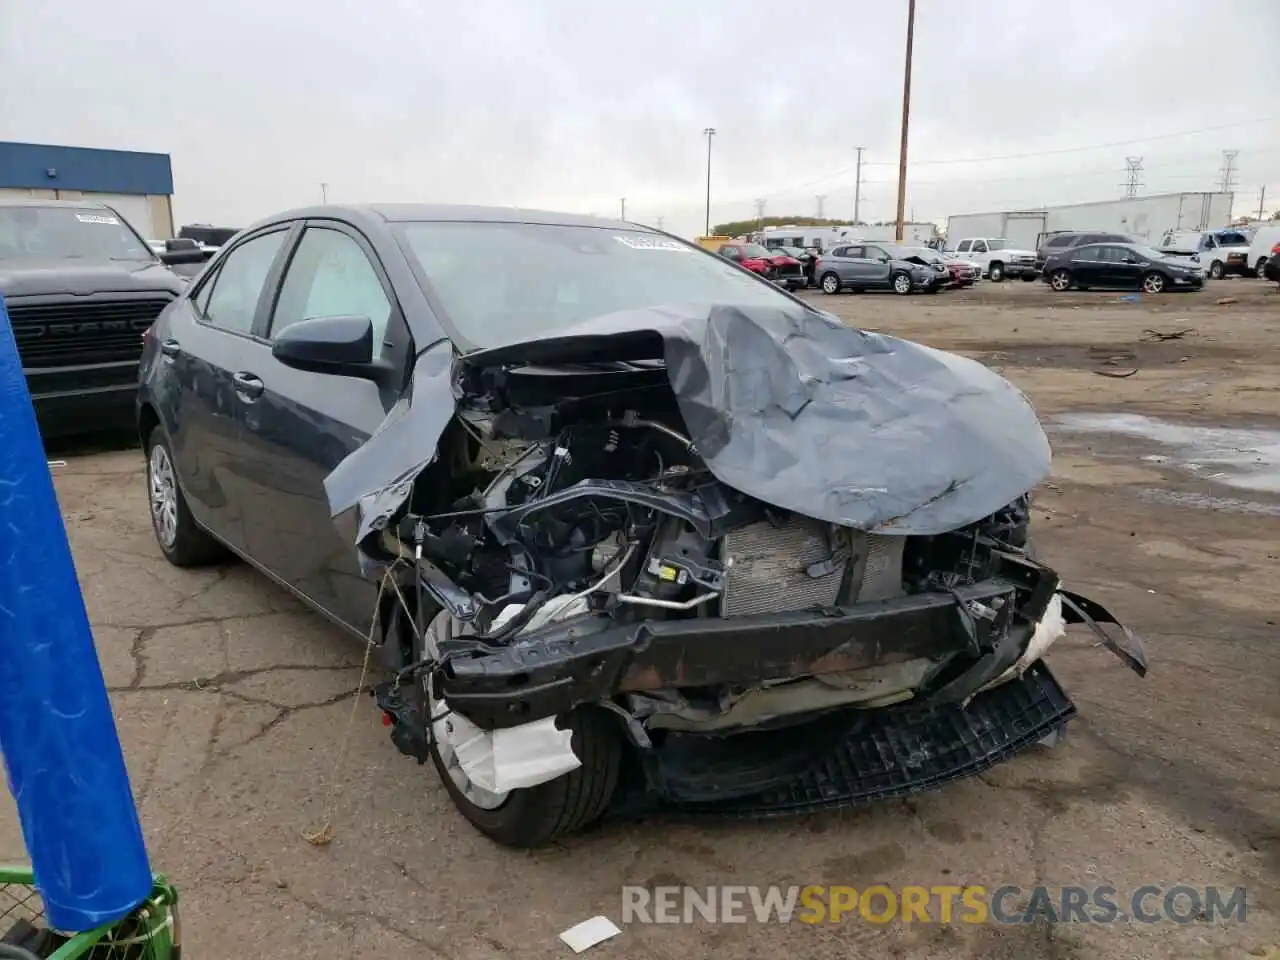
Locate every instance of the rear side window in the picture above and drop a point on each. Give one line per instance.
(233, 301)
(964, 246)
(1057, 242)
(1087, 253)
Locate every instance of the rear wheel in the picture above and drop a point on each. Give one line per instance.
(180, 538)
(1060, 280)
(901, 284)
(1028, 277)
(830, 283)
(1216, 270)
(1153, 283)
(1260, 268)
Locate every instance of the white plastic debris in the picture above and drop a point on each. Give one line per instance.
(588, 933)
(1051, 627)
(513, 758)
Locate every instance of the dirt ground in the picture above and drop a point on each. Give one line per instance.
(233, 702)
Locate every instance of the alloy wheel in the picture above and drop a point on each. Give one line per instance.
(164, 496)
(1153, 283)
(902, 283)
(830, 284)
(1060, 281)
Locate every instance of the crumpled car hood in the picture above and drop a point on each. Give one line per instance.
(787, 405)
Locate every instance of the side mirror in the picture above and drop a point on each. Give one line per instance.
(181, 243)
(883, 259)
(174, 257)
(338, 345)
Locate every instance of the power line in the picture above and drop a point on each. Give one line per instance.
(1018, 156)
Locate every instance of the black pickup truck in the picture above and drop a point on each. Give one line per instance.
(81, 287)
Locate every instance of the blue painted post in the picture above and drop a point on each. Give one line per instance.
(61, 751)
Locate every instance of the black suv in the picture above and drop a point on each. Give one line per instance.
(81, 287)
(1060, 241)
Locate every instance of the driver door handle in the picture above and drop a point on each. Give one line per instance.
(248, 387)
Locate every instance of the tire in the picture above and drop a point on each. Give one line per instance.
(830, 283)
(1260, 268)
(901, 284)
(534, 816)
(1028, 277)
(996, 272)
(1060, 281)
(1216, 270)
(180, 538)
(1153, 283)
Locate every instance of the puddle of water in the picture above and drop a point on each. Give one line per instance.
(1184, 498)
(1248, 459)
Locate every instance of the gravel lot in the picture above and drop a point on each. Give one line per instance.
(232, 700)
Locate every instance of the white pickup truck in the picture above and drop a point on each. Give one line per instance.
(996, 257)
(1220, 252)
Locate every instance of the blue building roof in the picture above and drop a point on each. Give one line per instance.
(46, 167)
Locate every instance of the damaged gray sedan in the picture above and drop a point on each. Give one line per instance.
(635, 530)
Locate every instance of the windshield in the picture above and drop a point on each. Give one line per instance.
(755, 251)
(505, 282)
(59, 233)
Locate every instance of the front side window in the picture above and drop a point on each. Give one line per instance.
(979, 246)
(329, 275)
(67, 233)
(500, 283)
(232, 303)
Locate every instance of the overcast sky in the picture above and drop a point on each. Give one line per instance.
(574, 104)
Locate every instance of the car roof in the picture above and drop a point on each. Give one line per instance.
(458, 213)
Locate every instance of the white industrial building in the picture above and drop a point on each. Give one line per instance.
(1145, 219)
(913, 234)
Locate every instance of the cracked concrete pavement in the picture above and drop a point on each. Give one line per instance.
(233, 701)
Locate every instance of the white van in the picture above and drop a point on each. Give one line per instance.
(1260, 247)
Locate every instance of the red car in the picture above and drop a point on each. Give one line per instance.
(781, 269)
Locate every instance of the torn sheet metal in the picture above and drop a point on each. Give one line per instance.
(787, 405)
(369, 486)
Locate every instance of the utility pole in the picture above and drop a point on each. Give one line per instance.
(760, 215)
(857, 191)
(324, 192)
(1262, 202)
(906, 116)
(623, 215)
(709, 132)
(1133, 171)
(820, 198)
(1229, 170)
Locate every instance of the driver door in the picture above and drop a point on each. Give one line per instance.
(875, 266)
(303, 424)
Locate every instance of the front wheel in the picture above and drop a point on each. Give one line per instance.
(1060, 280)
(830, 283)
(996, 272)
(1216, 270)
(1153, 283)
(901, 284)
(1260, 268)
(530, 816)
(181, 540)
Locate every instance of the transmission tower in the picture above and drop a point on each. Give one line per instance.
(1133, 176)
(1228, 183)
(821, 198)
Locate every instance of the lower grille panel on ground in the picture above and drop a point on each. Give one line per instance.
(897, 752)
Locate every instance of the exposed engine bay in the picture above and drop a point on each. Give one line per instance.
(731, 529)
